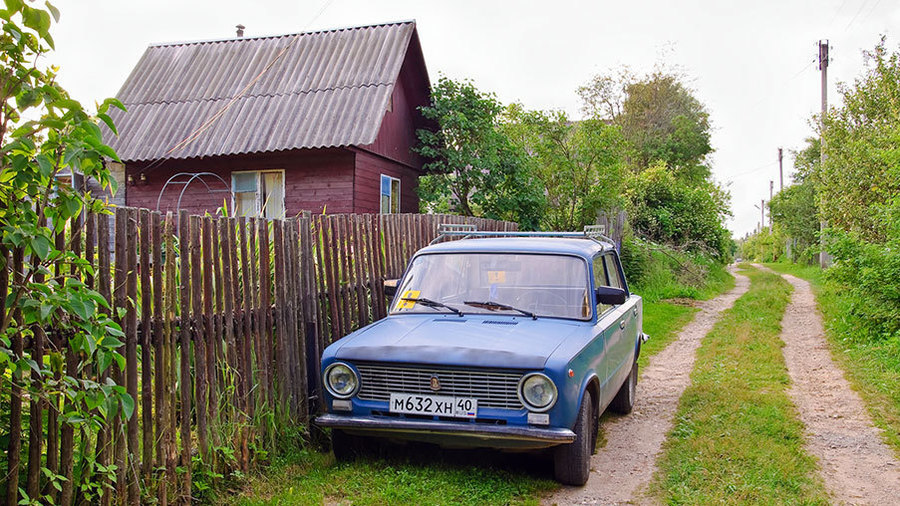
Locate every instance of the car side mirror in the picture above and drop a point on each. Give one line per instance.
(610, 296)
(390, 287)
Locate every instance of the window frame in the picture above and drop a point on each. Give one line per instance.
(390, 196)
(259, 185)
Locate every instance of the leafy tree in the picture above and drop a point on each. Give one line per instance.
(579, 164)
(665, 209)
(660, 118)
(473, 168)
(859, 182)
(793, 209)
(45, 133)
(858, 191)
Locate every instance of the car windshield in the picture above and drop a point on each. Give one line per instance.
(483, 283)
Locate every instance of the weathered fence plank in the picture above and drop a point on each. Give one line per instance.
(185, 333)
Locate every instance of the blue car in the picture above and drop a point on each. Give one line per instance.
(507, 340)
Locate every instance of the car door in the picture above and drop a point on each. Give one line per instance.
(622, 349)
(604, 331)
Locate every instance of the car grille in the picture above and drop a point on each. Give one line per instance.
(492, 389)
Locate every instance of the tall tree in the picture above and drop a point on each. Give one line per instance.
(660, 118)
(473, 168)
(578, 163)
(859, 183)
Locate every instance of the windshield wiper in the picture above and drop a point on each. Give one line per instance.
(431, 303)
(494, 306)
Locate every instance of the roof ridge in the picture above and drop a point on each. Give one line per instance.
(278, 36)
(260, 95)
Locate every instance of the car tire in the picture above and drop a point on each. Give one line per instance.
(623, 402)
(346, 447)
(572, 462)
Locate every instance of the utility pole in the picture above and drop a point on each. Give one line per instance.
(771, 189)
(762, 214)
(824, 260)
(780, 172)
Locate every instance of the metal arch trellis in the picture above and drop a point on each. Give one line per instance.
(191, 176)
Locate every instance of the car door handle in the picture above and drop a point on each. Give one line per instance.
(622, 324)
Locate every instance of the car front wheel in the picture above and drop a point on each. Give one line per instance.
(572, 462)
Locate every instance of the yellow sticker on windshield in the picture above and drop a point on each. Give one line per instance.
(497, 277)
(408, 304)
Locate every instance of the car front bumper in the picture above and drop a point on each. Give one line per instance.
(452, 434)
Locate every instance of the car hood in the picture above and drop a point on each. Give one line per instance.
(502, 342)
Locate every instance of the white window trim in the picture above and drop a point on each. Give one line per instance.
(399, 192)
(259, 174)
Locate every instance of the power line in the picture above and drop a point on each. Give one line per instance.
(861, 7)
(751, 171)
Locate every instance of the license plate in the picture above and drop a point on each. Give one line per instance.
(436, 405)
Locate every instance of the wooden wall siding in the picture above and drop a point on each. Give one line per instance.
(315, 180)
(367, 183)
(397, 135)
(223, 318)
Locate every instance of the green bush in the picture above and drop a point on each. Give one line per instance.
(870, 276)
(657, 272)
(666, 210)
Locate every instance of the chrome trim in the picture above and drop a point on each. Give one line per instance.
(493, 389)
(509, 432)
(328, 385)
(527, 404)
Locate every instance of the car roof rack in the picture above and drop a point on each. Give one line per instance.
(596, 233)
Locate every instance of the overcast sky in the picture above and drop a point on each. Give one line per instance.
(752, 63)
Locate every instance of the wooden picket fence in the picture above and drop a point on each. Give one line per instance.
(224, 320)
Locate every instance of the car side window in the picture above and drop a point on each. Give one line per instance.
(600, 279)
(612, 271)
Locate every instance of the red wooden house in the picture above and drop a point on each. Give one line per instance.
(321, 121)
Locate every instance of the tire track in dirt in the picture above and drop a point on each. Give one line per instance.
(855, 464)
(626, 464)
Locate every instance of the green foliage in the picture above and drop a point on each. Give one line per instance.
(472, 166)
(764, 246)
(869, 274)
(794, 212)
(665, 209)
(45, 133)
(737, 438)
(859, 182)
(857, 189)
(665, 142)
(578, 164)
(660, 118)
(657, 272)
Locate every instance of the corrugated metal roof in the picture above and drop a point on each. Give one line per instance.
(329, 88)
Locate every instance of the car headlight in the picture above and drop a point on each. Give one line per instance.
(537, 392)
(341, 380)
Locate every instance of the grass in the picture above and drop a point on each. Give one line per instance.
(737, 438)
(413, 474)
(871, 365)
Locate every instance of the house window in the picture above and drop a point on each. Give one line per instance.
(390, 194)
(258, 193)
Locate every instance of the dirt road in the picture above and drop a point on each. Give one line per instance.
(627, 463)
(856, 466)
